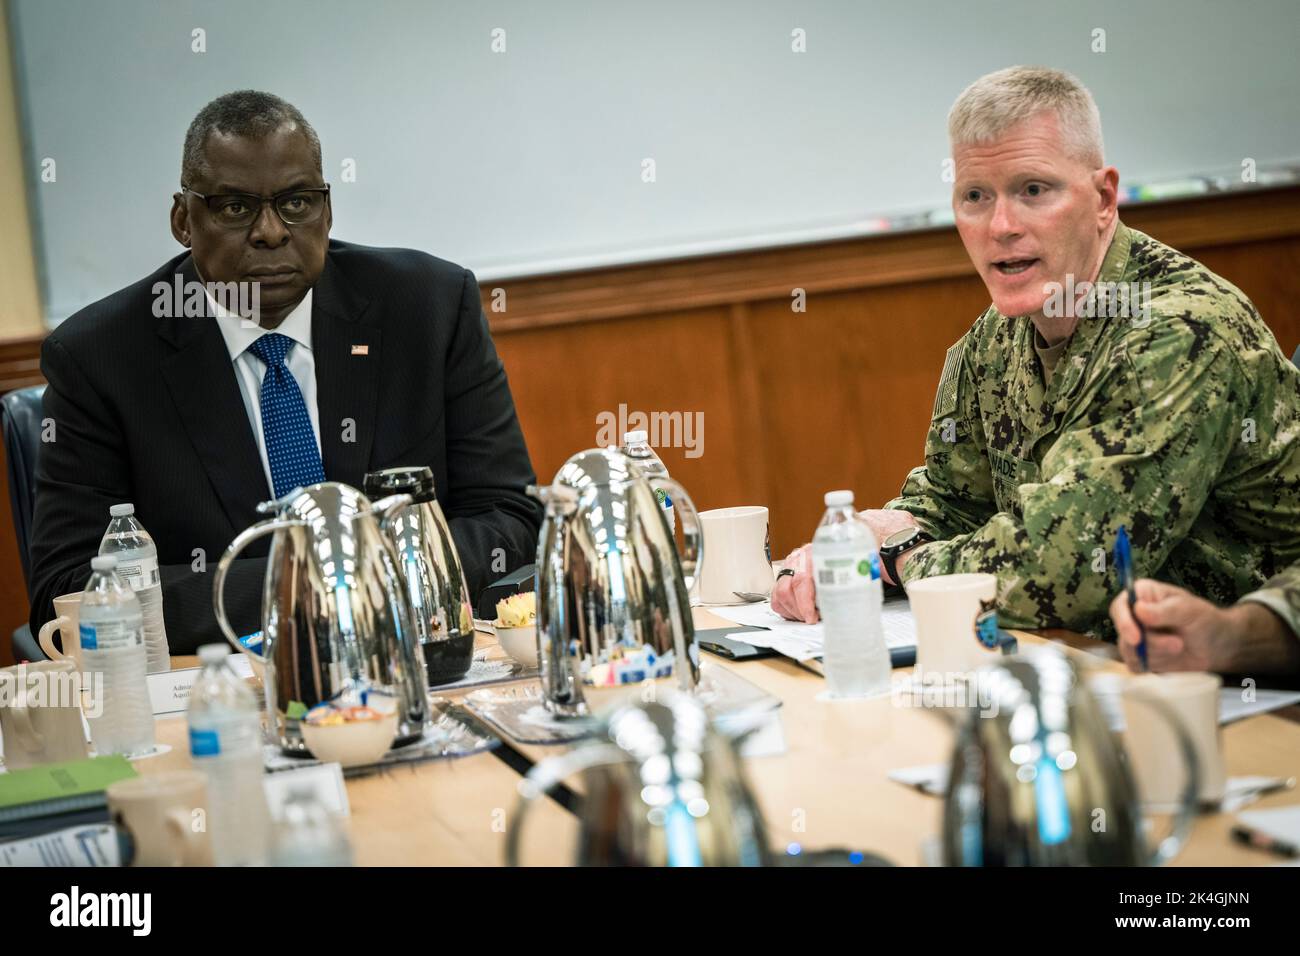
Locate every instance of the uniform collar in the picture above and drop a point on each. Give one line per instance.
(1083, 342)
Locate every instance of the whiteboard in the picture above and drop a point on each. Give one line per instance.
(532, 159)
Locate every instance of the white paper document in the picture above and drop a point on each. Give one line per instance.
(804, 641)
(1280, 823)
(1232, 707)
(94, 844)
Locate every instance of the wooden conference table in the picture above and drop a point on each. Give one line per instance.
(829, 789)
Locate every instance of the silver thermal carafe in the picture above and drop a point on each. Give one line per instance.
(335, 619)
(431, 571)
(1039, 779)
(660, 787)
(609, 579)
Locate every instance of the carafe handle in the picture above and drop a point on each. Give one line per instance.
(545, 777)
(1170, 846)
(691, 556)
(242, 540)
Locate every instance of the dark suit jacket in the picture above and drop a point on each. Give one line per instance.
(148, 410)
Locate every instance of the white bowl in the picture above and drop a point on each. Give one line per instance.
(520, 643)
(353, 744)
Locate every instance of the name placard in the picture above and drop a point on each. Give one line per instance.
(169, 691)
(325, 780)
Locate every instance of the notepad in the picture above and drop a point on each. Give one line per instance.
(61, 781)
(58, 794)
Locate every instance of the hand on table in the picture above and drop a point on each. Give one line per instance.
(795, 597)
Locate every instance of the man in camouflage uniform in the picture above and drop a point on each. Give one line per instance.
(1151, 395)
(1259, 635)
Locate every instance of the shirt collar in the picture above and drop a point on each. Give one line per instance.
(239, 335)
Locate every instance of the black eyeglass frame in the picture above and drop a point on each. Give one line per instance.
(261, 201)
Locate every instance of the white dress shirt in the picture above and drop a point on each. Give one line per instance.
(250, 370)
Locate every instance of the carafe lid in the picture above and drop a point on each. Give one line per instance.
(598, 467)
(411, 480)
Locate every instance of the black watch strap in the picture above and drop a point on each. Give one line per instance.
(891, 550)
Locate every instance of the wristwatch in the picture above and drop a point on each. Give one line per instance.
(896, 544)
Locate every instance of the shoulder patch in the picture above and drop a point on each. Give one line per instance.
(945, 400)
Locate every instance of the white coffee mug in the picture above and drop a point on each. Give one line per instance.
(1193, 698)
(166, 815)
(736, 554)
(946, 608)
(40, 714)
(67, 615)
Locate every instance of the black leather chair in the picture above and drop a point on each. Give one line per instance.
(20, 416)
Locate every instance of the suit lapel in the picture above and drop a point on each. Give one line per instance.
(346, 352)
(201, 379)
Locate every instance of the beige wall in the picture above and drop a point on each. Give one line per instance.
(21, 314)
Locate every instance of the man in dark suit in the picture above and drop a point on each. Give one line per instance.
(359, 359)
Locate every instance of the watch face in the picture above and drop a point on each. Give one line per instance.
(900, 538)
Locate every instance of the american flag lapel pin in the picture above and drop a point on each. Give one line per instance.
(361, 350)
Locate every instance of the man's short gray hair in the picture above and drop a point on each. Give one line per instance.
(249, 113)
(994, 103)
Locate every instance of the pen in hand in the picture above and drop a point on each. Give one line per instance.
(1124, 566)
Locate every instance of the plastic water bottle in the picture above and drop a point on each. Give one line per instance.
(226, 744)
(309, 835)
(112, 651)
(846, 565)
(137, 564)
(636, 445)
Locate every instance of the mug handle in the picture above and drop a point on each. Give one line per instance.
(545, 777)
(1170, 846)
(29, 738)
(242, 540)
(189, 840)
(691, 556)
(46, 638)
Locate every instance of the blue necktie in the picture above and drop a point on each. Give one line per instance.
(286, 426)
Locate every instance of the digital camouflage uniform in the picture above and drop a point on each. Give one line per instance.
(1282, 596)
(1180, 423)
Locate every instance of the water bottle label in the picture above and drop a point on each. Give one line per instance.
(109, 635)
(204, 743)
(140, 574)
(846, 572)
(661, 496)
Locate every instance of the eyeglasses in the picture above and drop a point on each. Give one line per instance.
(295, 207)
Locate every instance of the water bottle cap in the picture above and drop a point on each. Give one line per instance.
(838, 499)
(212, 653)
(633, 437)
(103, 562)
(122, 510)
